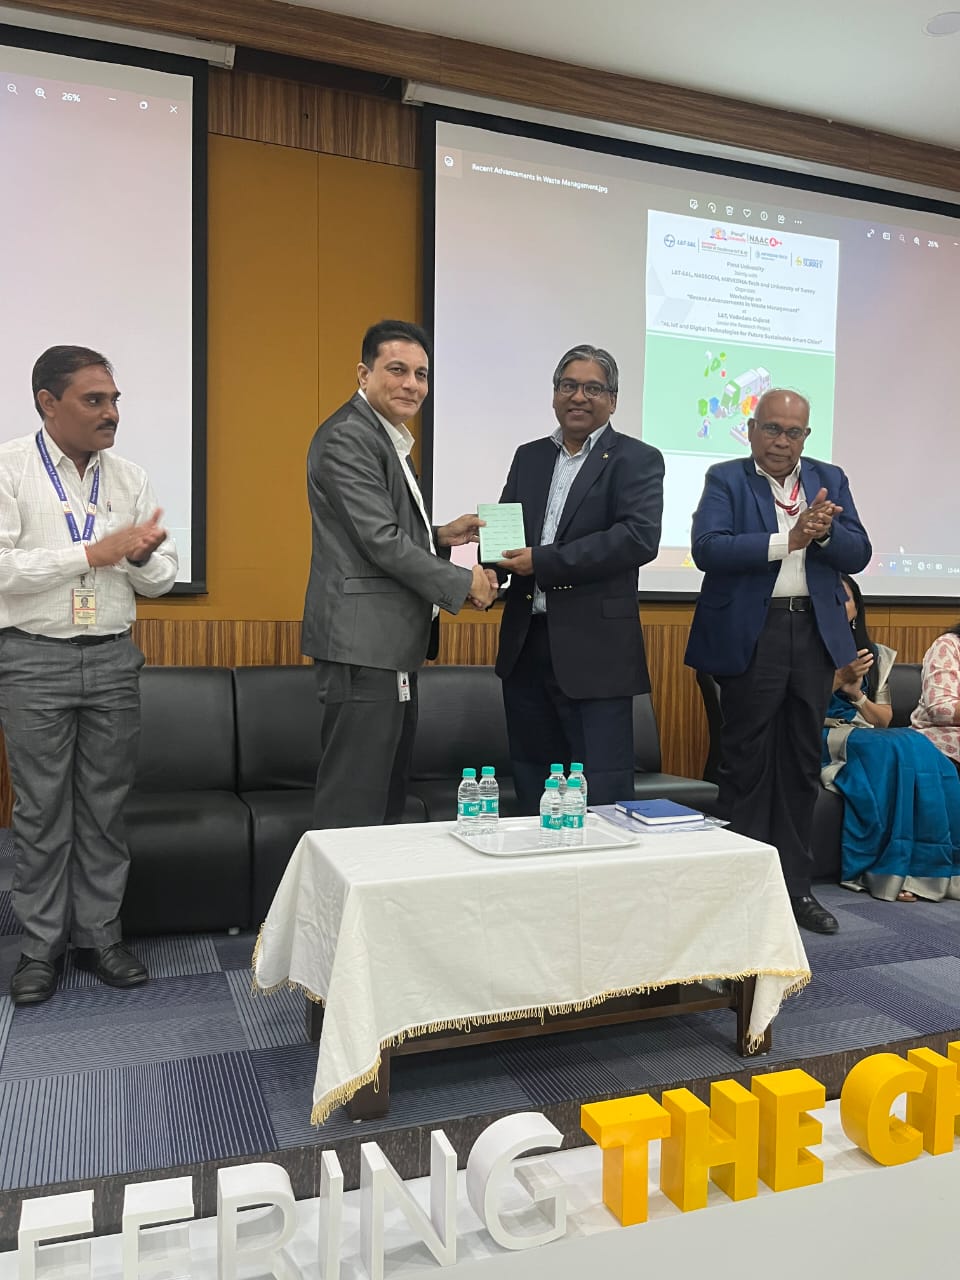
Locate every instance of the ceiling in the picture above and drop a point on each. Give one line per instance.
(862, 62)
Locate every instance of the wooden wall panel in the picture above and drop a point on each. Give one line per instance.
(311, 118)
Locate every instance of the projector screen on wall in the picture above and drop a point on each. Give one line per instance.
(101, 231)
(707, 287)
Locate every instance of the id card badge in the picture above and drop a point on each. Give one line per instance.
(403, 686)
(84, 607)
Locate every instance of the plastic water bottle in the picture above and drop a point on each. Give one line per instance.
(468, 804)
(576, 771)
(573, 812)
(551, 814)
(556, 771)
(489, 790)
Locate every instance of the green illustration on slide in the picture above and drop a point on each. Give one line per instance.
(698, 397)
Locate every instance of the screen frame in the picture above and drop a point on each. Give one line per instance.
(198, 71)
(762, 171)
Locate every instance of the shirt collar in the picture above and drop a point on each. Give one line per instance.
(57, 455)
(402, 439)
(587, 445)
(793, 476)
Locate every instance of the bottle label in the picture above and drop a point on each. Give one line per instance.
(573, 821)
(468, 809)
(551, 822)
(490, 806)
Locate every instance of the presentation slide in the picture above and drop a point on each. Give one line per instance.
(707, 289)
(96, 249)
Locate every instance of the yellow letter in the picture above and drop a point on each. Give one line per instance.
(865, 1101)
(722, 1136)
(623, 1128)
(786, 1130)
(936, 1111)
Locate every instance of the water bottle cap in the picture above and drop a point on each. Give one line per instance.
(552, 784)
(556, 768)
(576, 767)
(469, 773)
(574, 782)
(488, 771)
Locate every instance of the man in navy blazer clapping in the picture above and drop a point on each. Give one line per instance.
(772, 534)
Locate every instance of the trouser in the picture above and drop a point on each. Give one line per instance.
(71, 720)
(366, 741)
(544, 725)
(771, 741)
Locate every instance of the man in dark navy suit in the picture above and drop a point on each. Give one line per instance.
(773, 534)
(571, 648)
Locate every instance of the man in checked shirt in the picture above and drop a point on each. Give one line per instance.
(79, 534)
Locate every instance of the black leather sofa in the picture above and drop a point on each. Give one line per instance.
(225, 776)
(904, 685)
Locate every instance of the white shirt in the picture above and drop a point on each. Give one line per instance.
(402, 441)
(39, 563)
(792, 578)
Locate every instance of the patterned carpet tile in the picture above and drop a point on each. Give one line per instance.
(96, 1028)
(556, 1068)
(61, 1127)
(195, 1109)
(923, 994)
(235, 951)
(268, 1021)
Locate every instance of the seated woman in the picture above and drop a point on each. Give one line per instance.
(901, 813)
(938, 713)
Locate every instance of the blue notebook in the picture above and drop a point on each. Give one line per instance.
(659, 812)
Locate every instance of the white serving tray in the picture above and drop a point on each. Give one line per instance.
(520, 837)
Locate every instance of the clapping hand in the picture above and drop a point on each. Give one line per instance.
(850, 677)
(135, 542)
(814, 523)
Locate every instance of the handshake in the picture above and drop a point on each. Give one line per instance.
(483, 588)
(484, 584)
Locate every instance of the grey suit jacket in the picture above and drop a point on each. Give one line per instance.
(373, 578)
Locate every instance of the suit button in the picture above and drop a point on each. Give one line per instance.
(528, 597)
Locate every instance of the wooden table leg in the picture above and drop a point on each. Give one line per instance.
(314, 1020)
(372, 1102)
(745, 988)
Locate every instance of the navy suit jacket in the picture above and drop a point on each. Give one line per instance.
(609, 527)
(731, 536)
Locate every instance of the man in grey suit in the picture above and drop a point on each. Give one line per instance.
(379, 575)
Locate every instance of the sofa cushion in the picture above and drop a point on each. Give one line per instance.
(190, 862)
(461, 723)
(278, 727)
(187, 737)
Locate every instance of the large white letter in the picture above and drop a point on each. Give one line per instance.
(52, 1218)
(145, 1204)
(378, 1179)
(489, 1165)
(257, 1237)
(330, 1216)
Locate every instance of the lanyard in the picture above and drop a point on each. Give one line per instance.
(61, 493)
(792, 507)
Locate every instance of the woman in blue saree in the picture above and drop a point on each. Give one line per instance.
(901, 814)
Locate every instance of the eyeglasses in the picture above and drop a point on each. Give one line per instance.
(773, 431)
(592, 390)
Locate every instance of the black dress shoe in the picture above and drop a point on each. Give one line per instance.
(114, 965)
(809, 914)
(33, 981)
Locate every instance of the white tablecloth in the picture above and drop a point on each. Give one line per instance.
(402, 930)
